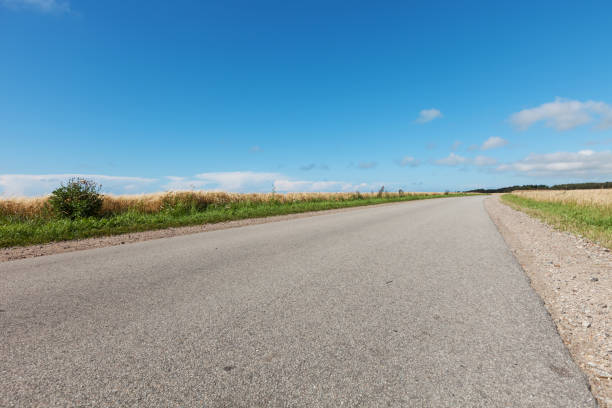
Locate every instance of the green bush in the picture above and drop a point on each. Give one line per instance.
(78, 198)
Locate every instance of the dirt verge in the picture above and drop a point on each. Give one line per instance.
(573, 276)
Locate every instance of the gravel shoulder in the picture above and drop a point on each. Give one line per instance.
(573, 276)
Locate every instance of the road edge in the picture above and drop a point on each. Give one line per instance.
(564, 286)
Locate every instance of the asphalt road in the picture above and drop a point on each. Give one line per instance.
(418, 304)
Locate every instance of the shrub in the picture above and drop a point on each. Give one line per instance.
(77, 198)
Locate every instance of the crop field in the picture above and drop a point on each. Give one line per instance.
(35, 207)
(597, 197)
(25, 221)
(585, 212)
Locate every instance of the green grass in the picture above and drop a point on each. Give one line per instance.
(592, 222)
(19, 232)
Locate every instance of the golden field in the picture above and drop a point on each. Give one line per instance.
(584, 212)
(597, 197)
(31, 207)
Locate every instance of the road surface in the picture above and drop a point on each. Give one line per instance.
(417, 304)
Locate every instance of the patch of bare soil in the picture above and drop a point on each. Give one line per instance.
(573, 276)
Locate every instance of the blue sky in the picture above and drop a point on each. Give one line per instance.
(304, 95)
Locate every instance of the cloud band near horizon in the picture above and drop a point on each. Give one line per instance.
(17, 185)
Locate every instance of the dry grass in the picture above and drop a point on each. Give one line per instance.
(598, 197)
(23, 207)
(27, 208)
(584, 212)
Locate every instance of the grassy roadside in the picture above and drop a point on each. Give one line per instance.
(39, 230)
(591, 221)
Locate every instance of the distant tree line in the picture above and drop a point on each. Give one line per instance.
(571, 186)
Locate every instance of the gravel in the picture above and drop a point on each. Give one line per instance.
(573, 276)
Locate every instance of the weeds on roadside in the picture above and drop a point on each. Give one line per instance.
(33, 221)
(577, 213)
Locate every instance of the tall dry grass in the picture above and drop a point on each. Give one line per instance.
(597, 198)
(584, 212)
(23, 207)
(27, 208)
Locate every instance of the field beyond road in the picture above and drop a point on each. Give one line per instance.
(28, 221)
(416, 304)
(584, 212)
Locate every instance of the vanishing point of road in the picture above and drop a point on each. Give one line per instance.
(415, 304)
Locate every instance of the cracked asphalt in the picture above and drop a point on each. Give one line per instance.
(418, 304)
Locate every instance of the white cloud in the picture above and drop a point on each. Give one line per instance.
(484, 161)
(408, 161)
(27, 184)
(238, 180)
(455, 160)
(183, 183)
(493, 142)
(12, 185)
(316, 186)
(427, 115)
(452, 160)
(564, 114)
(44, 6)
(583, 164)
(247, 181)
(456, 146)
(227, 181)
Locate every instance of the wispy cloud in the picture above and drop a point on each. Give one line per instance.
(308, 167)
(408, 161)
(32, 184)
(255, 149)
(427, 115)
(225, 181)
(248, 181)
(367, 165)
(598, 142)
(316, 186)
(584, 164)
(43, 6)
(456, 146)
(456, 160)
(564, 114)
(452, 160)
(12, 185)
(313, 166)
(493, 143)
(484, 161)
